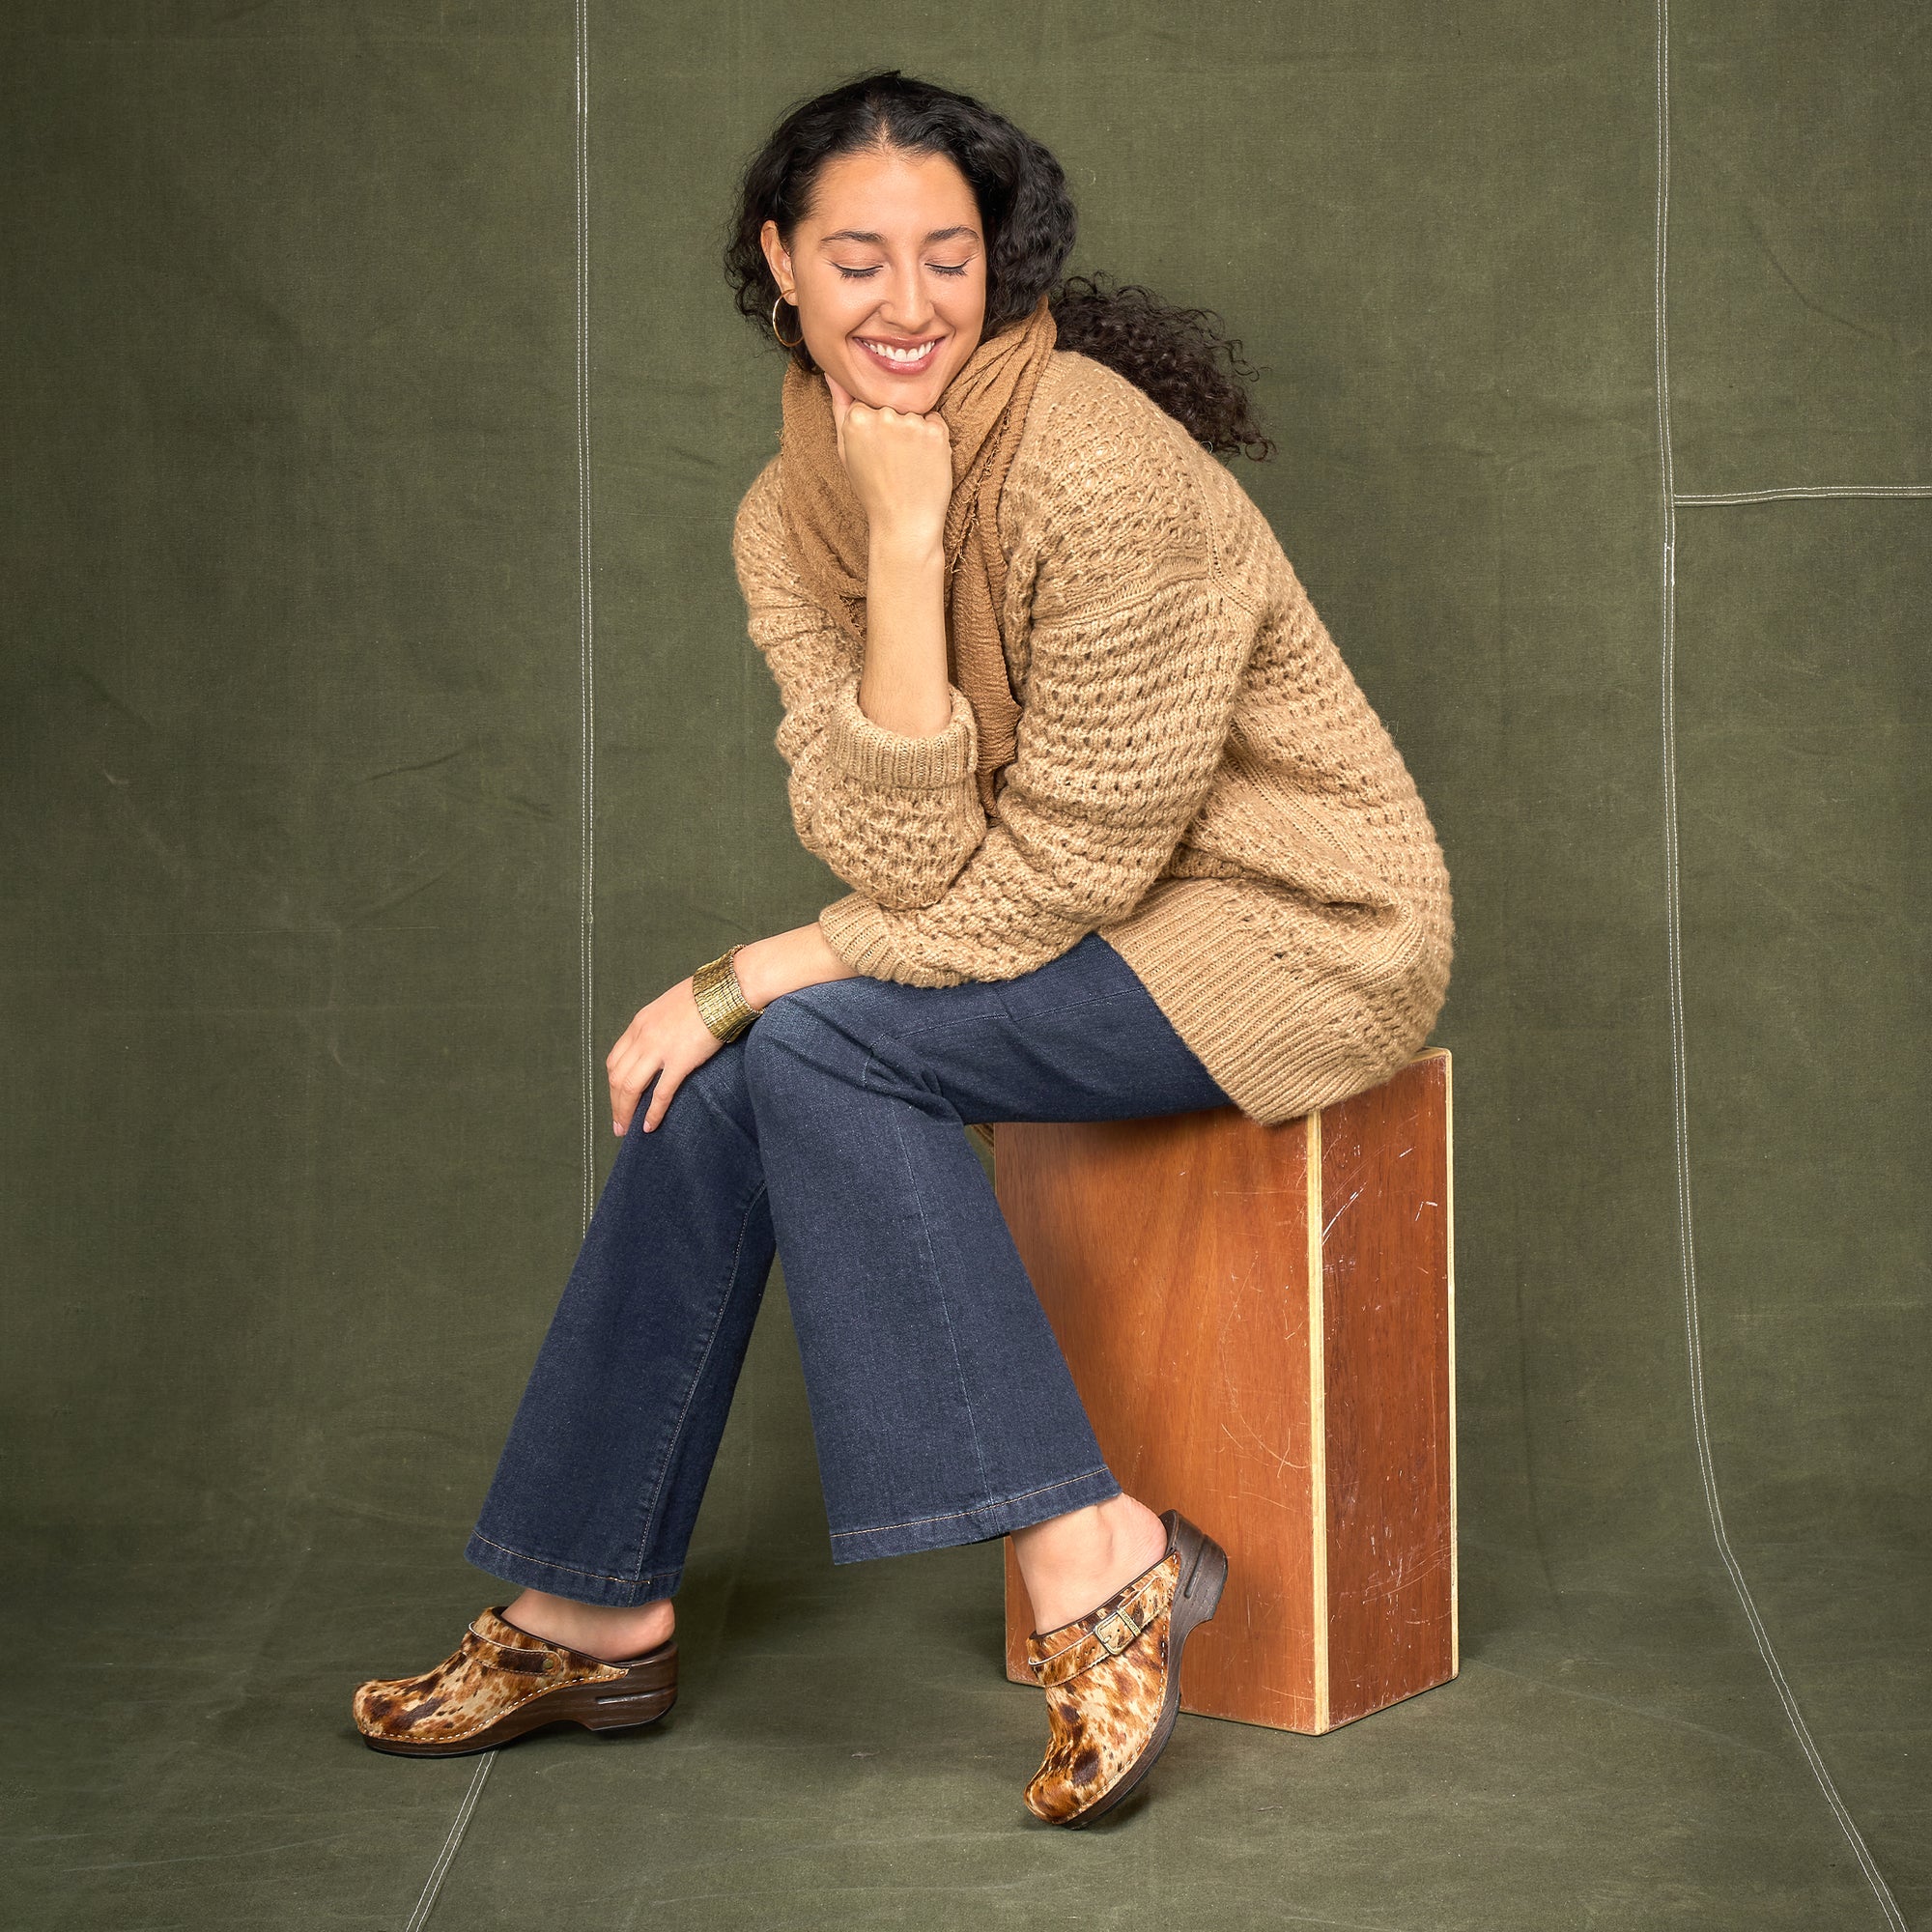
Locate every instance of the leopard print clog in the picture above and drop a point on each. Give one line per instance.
(1113, 1679)
(501, 1681)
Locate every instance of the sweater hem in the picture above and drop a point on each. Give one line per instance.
(1219, 980)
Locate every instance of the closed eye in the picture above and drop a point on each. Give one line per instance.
(937, 268)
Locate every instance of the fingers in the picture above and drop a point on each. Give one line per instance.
(630, 1064)
(662, 1044)
(667, 1085)
(847, 409)
(626, 1088)
(633, 1068)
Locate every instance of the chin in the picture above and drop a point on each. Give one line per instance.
(915, 397)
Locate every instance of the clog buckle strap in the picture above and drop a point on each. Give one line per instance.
(523, 1663)
(1109, 1636)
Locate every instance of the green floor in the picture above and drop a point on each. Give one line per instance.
(1607, 463)
(846, 1752)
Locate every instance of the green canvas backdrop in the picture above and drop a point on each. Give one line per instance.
(379, 731)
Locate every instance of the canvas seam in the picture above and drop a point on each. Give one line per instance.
(587, 789)
(433, 1885)
(1680, 1105)
(1790, 489)
(587, 631)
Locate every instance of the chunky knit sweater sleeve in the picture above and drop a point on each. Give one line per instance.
(1134, 654)
(893, 816)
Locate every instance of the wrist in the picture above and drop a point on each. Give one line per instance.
(785, 962)
(906, 547)
(754, 968)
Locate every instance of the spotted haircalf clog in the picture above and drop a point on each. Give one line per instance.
(501, 1681)
(1113, 1679)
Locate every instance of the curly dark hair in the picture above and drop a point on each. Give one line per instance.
(1180, 356)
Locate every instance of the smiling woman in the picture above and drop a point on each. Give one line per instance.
(1122, 837)
(891, 311)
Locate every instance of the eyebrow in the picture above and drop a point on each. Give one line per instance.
(879, 240)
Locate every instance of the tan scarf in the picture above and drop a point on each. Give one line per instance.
(985, 409)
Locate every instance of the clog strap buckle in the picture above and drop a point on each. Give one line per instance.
(1109, 1638)
(1115, 1633)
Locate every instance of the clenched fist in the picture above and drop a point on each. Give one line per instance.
(901, 465)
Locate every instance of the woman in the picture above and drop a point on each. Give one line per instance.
(1124, 837)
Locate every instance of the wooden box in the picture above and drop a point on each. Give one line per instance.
(1261, 1322)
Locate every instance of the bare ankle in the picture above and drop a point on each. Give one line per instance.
(612, 1631)
(1073, 1563)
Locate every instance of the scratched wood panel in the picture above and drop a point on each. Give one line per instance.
(1387, 1436)
(1171, 1255)
(1264, 1341)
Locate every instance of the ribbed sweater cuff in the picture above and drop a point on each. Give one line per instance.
(856, 931)
(874, 755)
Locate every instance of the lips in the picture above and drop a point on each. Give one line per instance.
(900, 359)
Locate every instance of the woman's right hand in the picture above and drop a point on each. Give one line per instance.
(666, 1041)
(900, 467)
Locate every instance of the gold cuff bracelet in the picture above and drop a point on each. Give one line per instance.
(720, 1000)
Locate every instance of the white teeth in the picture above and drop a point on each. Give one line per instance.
(892, 354)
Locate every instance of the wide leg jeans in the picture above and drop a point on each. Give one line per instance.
(830, 1134)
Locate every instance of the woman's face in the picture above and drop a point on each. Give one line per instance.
(887, 272)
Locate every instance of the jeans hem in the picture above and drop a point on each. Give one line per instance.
(979, 1525)
(559, 1579)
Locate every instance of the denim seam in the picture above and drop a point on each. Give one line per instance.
(669, 1455)
(979, 1509)
(547, 1563)
(932, 1264)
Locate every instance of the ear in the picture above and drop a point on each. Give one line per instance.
(777, 257)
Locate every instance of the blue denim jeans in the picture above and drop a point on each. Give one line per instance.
(831, 1132)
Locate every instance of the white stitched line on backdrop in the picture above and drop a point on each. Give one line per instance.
(587, 667)
(1687, 1246)
(587, 651)
(439, 1871)
(1805, 490)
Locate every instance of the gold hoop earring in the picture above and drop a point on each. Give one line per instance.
(782, 343)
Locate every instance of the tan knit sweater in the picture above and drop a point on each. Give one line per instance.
(1200, 778)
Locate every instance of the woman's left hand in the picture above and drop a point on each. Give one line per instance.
(668, 1039)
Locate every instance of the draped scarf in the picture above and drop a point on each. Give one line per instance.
(985, 407)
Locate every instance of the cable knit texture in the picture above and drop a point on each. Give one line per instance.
(1199, 776)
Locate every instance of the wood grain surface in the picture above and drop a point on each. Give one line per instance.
(1258, 1319)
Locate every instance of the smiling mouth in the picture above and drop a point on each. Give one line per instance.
(906, 358)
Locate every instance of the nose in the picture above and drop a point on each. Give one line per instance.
(906, 305)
